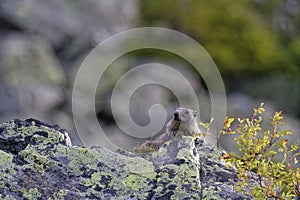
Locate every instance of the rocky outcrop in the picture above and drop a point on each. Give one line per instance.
(39, 162)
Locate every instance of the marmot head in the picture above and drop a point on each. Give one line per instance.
(184, 115)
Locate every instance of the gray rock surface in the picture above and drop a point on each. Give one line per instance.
(31, 73)
(69, 24)
(39, 162)
(42, 44)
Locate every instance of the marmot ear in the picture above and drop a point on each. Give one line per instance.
(195, 113)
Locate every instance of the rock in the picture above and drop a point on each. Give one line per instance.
(39, 162)
(71, 26)
(31, 76)
(42, 45)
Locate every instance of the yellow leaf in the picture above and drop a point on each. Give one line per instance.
(295, 161)
(283, 142)
(228, 122)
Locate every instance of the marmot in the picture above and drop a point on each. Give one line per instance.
(183, 122)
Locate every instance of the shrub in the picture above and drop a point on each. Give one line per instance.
(259, 175)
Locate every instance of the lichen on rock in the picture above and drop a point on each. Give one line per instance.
(39, 162)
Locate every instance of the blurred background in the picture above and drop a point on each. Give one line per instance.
(254, 43)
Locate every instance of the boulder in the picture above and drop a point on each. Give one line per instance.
(38, 161)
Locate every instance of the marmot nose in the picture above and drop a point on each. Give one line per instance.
(176, 115)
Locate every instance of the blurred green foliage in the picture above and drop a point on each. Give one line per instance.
(239, 35)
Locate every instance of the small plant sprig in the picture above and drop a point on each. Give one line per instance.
(259, 175)
(208, 132)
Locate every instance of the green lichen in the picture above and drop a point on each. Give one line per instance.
(8, 197)
(182, 178)
(52, 138)
(187, 153)
(32, 193)
(38, 162)
(6, 159)
(9, 127)
(140, 173)
(136, 172)
(96, 179)
(138, 165)
(12, 130)
(6, 170)
(61, 194)
(134, 182)
(210, 193)
(78, 156)
(27, 131)
(173, 175)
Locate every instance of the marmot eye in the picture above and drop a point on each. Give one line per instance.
(187, 112)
